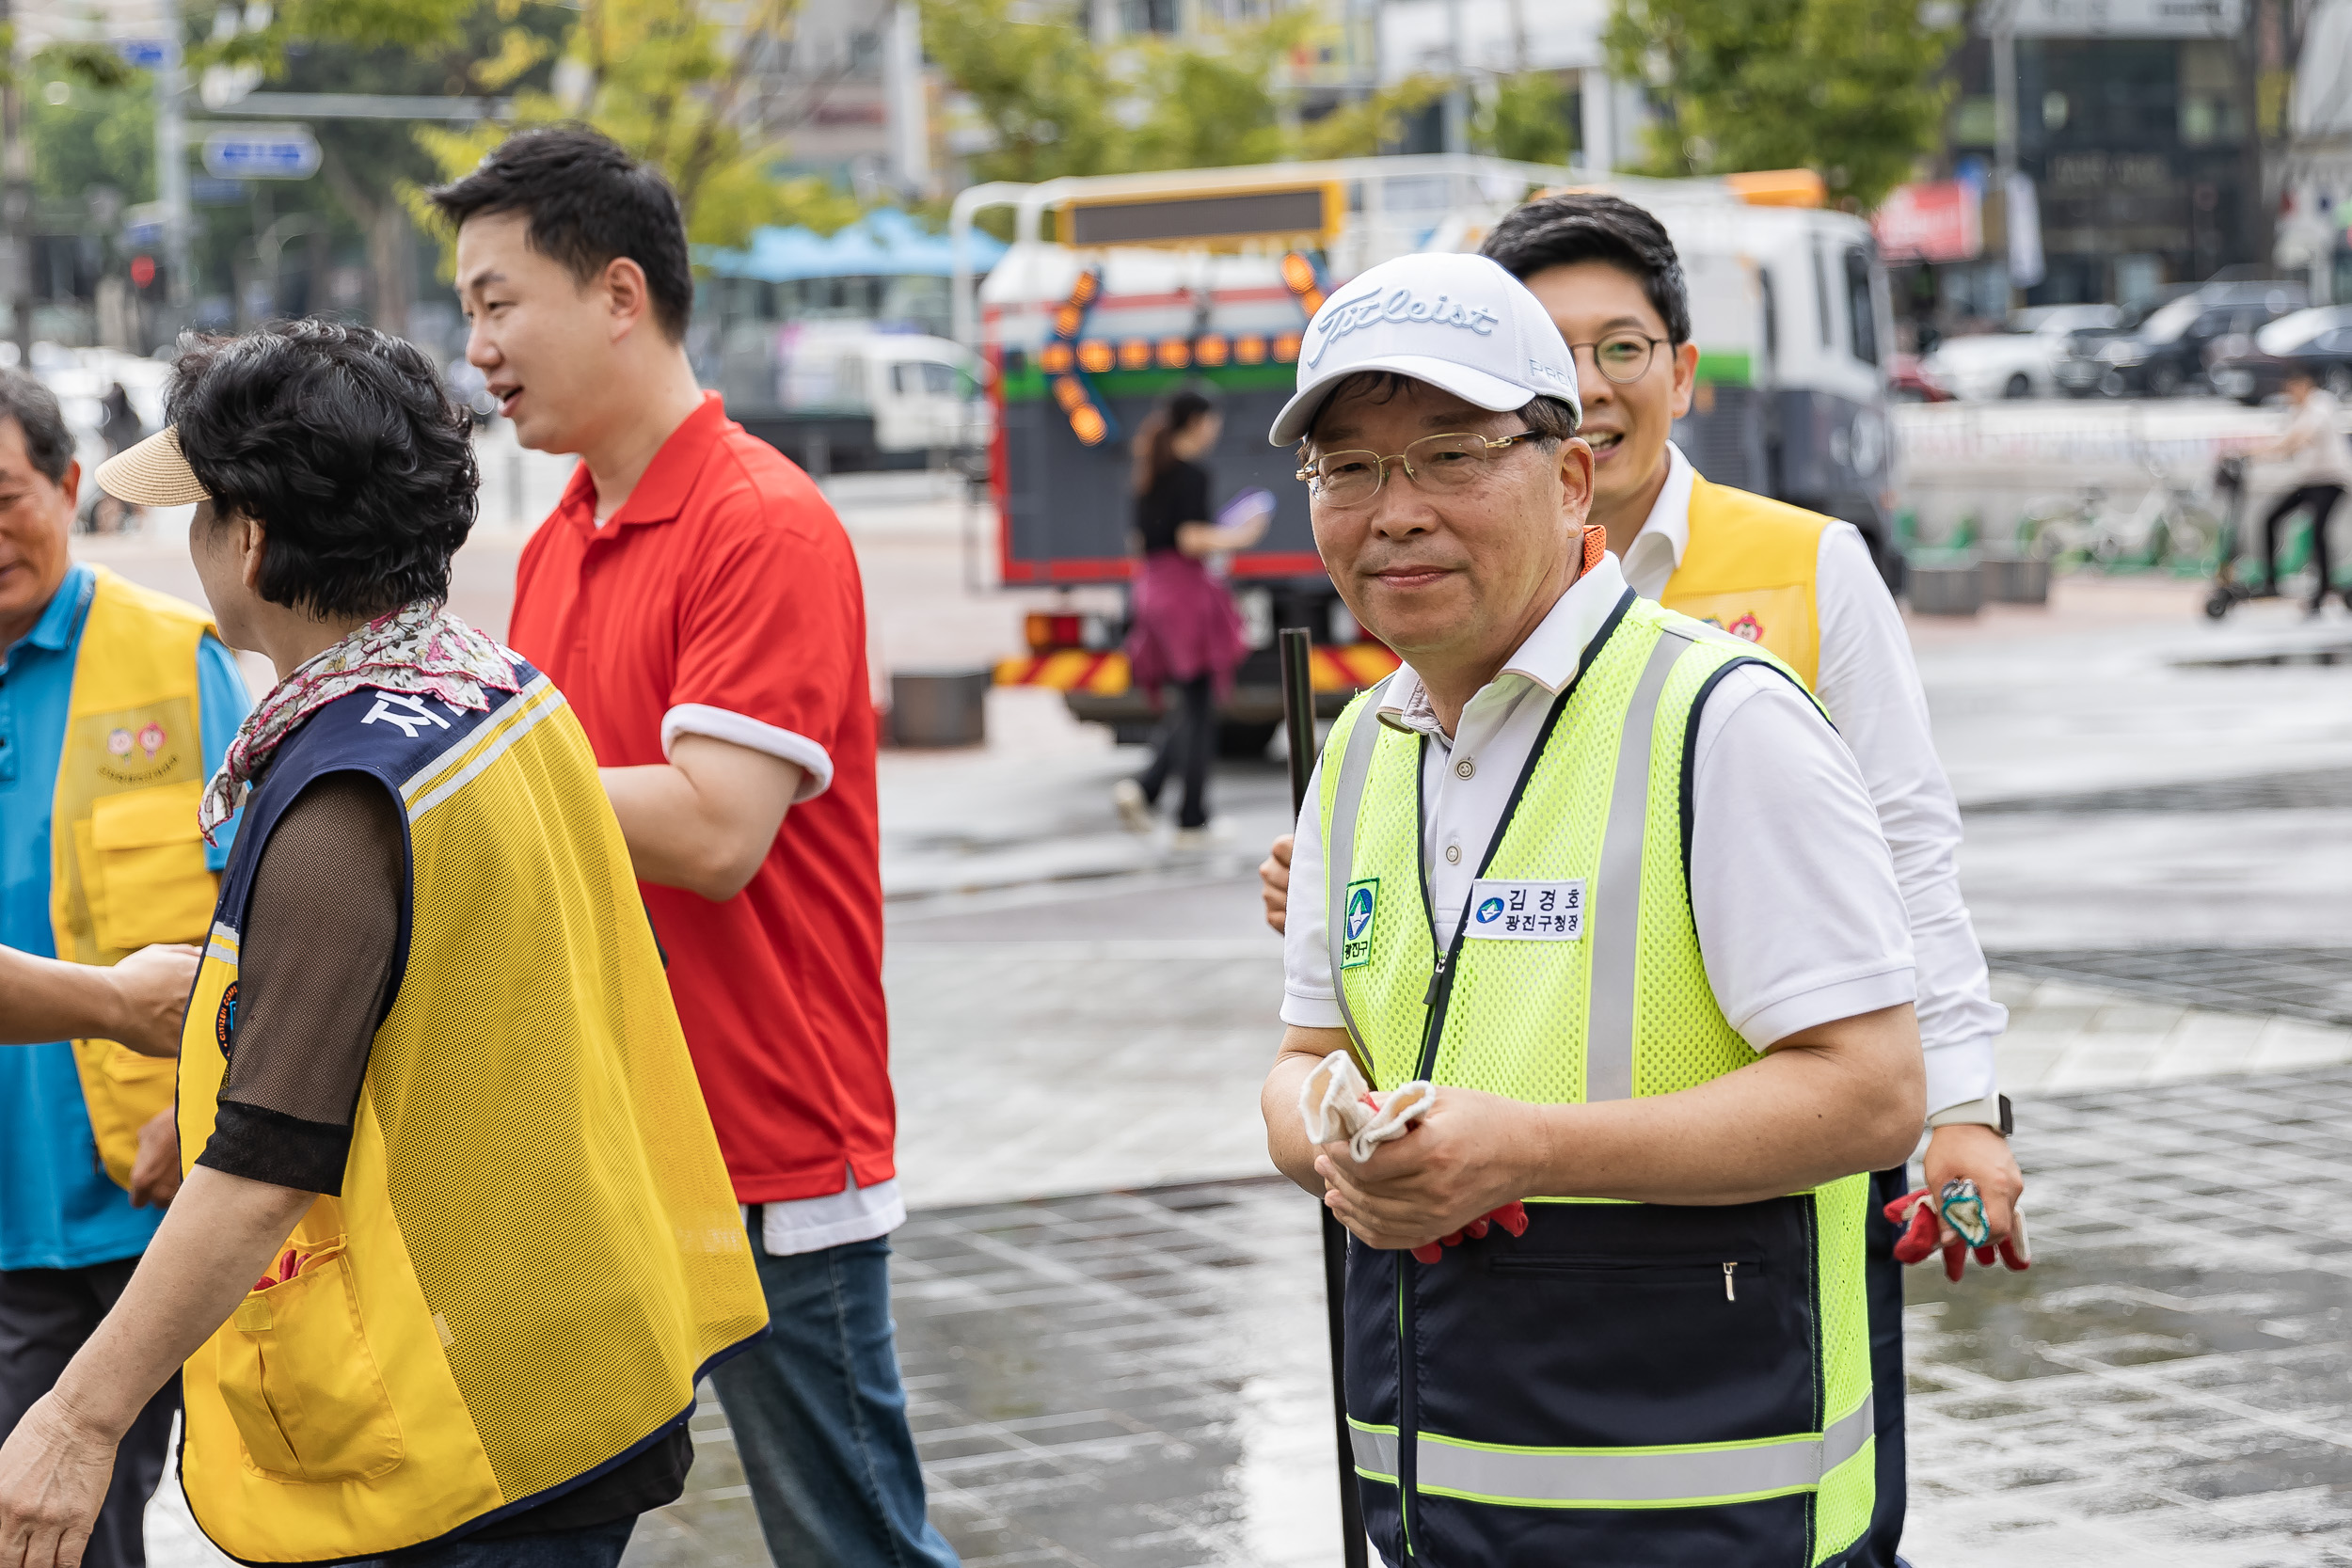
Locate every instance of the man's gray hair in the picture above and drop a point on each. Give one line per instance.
(33, 407)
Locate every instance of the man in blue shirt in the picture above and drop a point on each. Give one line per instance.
(95, 766)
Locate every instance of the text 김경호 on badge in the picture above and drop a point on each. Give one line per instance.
(1527, 911)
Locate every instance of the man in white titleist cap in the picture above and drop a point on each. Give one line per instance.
(1608, 879)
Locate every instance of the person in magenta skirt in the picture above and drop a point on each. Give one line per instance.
(1185, 633)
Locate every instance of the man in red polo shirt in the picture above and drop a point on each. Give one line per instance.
(698, 603)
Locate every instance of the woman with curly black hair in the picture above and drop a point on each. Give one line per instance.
(432, 1087)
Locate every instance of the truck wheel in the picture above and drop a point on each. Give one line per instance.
(2019, 387)
(1239, 741)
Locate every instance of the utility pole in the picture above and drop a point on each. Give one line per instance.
(16, 196)
(171, 161)
(1457, 108)
(2003, 21)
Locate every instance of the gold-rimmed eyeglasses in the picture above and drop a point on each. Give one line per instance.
(1438, 464)
(1622, 357)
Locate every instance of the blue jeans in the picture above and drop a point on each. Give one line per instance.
(593, 1546)
(820, 1418)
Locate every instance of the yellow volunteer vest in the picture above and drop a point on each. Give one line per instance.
(537, 1250)
(1749, 568)
(126, 864)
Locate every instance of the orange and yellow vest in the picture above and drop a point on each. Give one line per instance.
(126, 866)
(1749, 567)
(537, 1251)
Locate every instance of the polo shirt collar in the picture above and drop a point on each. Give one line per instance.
(56, 628)
(1551, 657)
(1656, 553)
(668, 480)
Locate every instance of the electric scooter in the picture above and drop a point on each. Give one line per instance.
(2229, 481)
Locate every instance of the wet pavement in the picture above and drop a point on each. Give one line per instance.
(1110, 1317)
(1134, 1380)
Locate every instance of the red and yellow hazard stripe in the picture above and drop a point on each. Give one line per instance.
(1105, 675)
(1070, 670)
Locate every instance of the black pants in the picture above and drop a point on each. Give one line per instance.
(1883, 1279)
(2322, 500)
(1188, 739)
(45, 1315)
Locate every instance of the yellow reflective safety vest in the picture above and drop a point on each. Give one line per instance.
(1627, 1383)
(537, 1251)
(126, 864)
(1749, 567)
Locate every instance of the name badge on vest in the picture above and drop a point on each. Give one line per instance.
(1527, 911)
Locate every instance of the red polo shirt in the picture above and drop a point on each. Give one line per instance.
(724, 599)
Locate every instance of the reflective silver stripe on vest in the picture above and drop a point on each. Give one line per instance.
(1339, 855)
(1692, 1477)
(1376, 1452)
(1617, 901)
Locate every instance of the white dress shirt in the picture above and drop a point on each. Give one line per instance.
(1869, 684)
(1793, 893)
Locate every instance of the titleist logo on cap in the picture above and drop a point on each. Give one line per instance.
(1345, 316)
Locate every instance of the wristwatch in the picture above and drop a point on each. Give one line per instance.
(1992, 1111)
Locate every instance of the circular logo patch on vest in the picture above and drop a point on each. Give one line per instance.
(1489, 911)
(225, 1021)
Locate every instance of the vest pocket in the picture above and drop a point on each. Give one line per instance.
(300, 1381)
(145, 869)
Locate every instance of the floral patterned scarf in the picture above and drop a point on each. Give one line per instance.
(420, 649)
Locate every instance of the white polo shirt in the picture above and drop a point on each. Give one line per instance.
(1869, 683)
(1792, 887)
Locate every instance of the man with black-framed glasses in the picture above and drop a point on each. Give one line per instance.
(1608, 879)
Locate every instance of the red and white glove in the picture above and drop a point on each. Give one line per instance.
(1512, 1216)
(1922, 1221)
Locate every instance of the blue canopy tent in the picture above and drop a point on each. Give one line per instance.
(885, 268)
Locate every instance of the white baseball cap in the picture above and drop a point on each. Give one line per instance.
(1460, 323)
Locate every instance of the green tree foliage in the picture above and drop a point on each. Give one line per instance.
(1851, 88)
(1526, 118)
(97, 136)
(1052, 104)
(1043, 92)
(670, 85)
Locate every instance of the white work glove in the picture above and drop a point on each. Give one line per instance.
(1335, 1103)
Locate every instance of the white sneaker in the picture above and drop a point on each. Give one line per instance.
(1135, 811)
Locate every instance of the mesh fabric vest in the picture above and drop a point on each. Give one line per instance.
(537, 1251)
(1749, 567)
(1627, 1383)
(126, 866)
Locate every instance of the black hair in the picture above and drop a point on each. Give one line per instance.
(1586, 225)
(1155, 437)
(588, 203)
(33, 407)
(340, 443)
(1552, 419)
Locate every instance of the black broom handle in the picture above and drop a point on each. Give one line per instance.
(1298, 722)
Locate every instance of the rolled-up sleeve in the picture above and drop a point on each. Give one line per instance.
(1793, 890)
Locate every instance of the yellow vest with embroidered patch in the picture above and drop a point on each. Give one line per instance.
(126, 864)
(537, 1251)
(1749, 567)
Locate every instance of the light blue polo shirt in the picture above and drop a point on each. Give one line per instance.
(58, 1207)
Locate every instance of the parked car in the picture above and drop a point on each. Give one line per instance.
(1907, 380)
(2020, 362)
(2251, 369)
(2166, 352)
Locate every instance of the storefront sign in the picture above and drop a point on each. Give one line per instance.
(1932, 222)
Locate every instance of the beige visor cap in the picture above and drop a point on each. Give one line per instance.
(152, 473)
